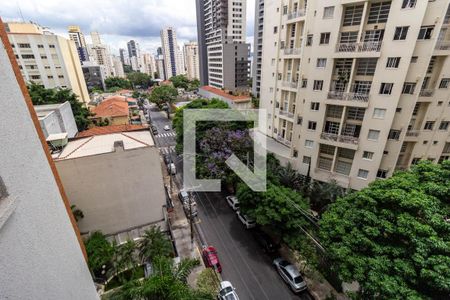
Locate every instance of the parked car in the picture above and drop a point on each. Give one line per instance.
(290, 275)
(233, 202)
(183, 196)
(246, 220)
(155, 131)
(171, 169)
(265, 241)
(167, 127)
(227, 291)
(167, 158)
(211, 258)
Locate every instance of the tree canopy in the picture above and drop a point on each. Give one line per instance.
(162, 95)
(99, 251)
(117, 83)
(40, 96)
(140, 80)
(394, 236)
(181, 81)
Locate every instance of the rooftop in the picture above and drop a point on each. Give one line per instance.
(43, 110)
(110, 129)
(223, 94)
(115, 106)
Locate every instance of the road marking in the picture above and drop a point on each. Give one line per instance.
(166, 150)
(168, 134)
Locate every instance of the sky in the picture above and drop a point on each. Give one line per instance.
(117, 21)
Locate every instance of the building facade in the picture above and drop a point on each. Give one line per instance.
(221, 27)
(47, 58)
(257, 47)
(160, 67)
(357, 89)
(122, 56)
(94, 75)
(118, 66)
(171, 53)
(56, 118)
(77, 37)
(191, 60)
(148, 64)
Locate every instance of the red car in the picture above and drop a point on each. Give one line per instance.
(211, 259)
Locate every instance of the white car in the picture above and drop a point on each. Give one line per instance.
(233, 202)
(167, 127)
(227, 291)
(246, 220)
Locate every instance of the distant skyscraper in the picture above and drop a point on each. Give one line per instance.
(160, 67)
(95, 36)
(159, 51)
(100, 54)
(258, 46)
(118, 66)
(224, 55)
(132, 48)
(122, 56)
(191, 60)
(77, 36)
(171, 52)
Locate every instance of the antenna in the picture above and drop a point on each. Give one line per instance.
(20, 11)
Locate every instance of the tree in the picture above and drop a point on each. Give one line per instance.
(289, 177)
(127, 69)
(140, 80)
(76, 212)
(100, 252)
(40, 96)
(163, 95)
(124, 259)
(194, 84)
(154, 243)
(117, 82)
(208, 282)
(393, 237)
(180, 81)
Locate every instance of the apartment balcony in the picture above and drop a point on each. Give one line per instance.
(283, 141)
(442, 45)
(337, 95)
(340, 138)
(296, 14)
(412, 133)
(290, 84)
(286, 113)
(426, 93)
(292, 51)
(361, 49)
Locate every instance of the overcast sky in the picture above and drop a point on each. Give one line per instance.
(117, 21)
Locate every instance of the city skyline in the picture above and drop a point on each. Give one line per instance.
(115, 27)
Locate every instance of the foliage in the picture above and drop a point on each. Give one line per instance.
(208, 282)
(288, 177)
(140, 80)
(393, 237)
(127, 69)
(136, 94)
(100, 252)
(154, 243)
(125, 258)
(40, 96)
(117, 82)
(163, 95)
(255, 102)
(194, 84)
(321, 194)
(125, 277)
(181, 81)
(76, 212)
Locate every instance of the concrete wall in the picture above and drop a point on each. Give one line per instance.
(116, 191)
(40, 257)
(59, 120)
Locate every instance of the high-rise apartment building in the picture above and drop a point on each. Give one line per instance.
(77, 37)
(160, 67)
(118, 66)
(148, 64)
(257, 47)
(100, 54)
(133, 48)
(122, 56)
(41, 250)
(171, 52)
(191, 60)
(134, 53)
(224, 55)
(47, 58)
(95, 37)
(357, 89)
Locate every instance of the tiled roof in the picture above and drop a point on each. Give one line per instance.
(110, 129)
(226, 95)
(111, 107)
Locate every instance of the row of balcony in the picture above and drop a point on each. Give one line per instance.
(290, 84)
(283, 140)
(296, 14)
(337, 95)
(286, 113)
(443, 45)
(292, 51)
(359, 47)
(339, 138)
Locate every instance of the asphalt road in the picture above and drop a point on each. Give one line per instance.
(243, 262)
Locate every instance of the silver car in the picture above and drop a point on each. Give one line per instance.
(246, 220)
(233, 202)
(227, 291)
(290, 274)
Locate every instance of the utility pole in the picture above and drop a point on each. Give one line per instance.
(191, 223)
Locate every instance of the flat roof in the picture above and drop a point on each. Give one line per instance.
(56, 136)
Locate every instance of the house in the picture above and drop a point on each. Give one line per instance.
(235, 102)
(113, 174)
(114, 109)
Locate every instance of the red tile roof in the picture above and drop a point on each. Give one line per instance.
(112, 107)
(110, 129)
(226, 95)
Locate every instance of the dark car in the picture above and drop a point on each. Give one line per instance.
(211, 258)
(167, 159)
(265, 241)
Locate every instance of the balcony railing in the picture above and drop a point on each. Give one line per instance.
(290, 84)
(339, 138)
(426, 93)
(443, 45)
(283, 140)
(292, 51)
(359, 47)
(364, 97)
(286, 113)
(413, 133)
(296, 14)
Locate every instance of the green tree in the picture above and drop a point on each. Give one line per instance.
(77, 213)
(100, 252)
(194, 84)
(117, 82)
(288, 177)
(163, 95)
(394, 236)
(208, 282)
(140, 80)
(127, 69)
(40, 96)
(180, 81)
(154, 243)
(125, 258)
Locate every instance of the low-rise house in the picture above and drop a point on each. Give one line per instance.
(235, 102)
(56, 119)
(113, 110)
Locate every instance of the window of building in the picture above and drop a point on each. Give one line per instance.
(50, 77)
(24, 45)
(309, 40)
(353, 15)
(328, 12)
(394, 134)
(444, 125)
(446, 148)
(35, 77)
(318, 85)
(401, 33)
(51, 46)
(398, 109)
(275, 29)
(43, 56)
(366, 66)
(60, 76)
(379, 113)
(315, 106)
(443, 158)
(312, 125)
(415, 160)
(393, 62)
(40, 46)
(379, 12)
(27, 56)
(363, 174)
(373, 135)
(428, 125)
(425, 32)
(445, 82)
(356, 113)
(307, 160)
(414, 59)
(408, 88)
(321, 63)
(386, 88)
(368, 155)
(382, 173)
(299, 120)
(285, 10)
(409, 3)
(309, 143)
(304, 83)
(325, 38)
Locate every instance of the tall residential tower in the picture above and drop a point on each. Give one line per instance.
(171, 52)
(191, 60)
(77, 36)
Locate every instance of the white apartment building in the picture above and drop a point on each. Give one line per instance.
(47, 58)
(160, 67)
(357, 89)
(101, 54)
(118, 66)
(224, 54)
(257, 47)
(191, 60)
(171, 53)
(77, 37)
(148, 64)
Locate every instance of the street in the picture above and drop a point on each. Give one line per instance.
(243, 262)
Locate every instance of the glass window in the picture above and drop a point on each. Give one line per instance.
(309, 143)
(309, 40)
(445, 82)
(446, 148)
(425, 32)
(315, 105)
(332, 127)
(368, 155)
(318, 85)
(428, 125)
(386, 88)
(394, 134)
(373, 35)
(356, 113)
(353, 15)
(409, 3)
(444, 125)
(393, 62)
(334, 111)
(324, 38)
(401, 33)
(304, 83)
(363, 173)
(379, 12)
(348, 37)
(379, 113)
(307, 160)
(373, 135)
(382, 173)
(366, 66)
(328, 12)
(312, 125)
(321, 63)
(414, 59)
(408, 88)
